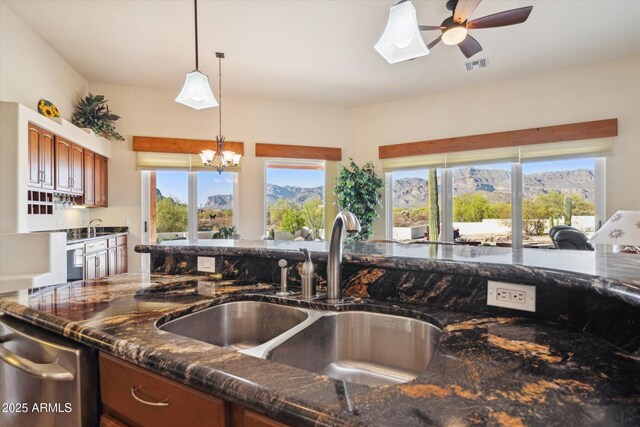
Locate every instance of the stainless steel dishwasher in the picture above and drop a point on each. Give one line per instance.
(45, 380)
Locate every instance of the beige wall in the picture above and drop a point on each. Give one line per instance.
(152, 112)
(598, 91)
(31, 70)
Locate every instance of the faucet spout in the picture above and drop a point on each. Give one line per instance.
(94, 229)
(345, 221)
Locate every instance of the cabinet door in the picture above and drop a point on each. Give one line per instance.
(121, 260)
(103, 263)
(47, 163)
(35, 175)
(102, 181)
(89, 178)
(63, 165)
(90, 267)
(112, 262)
(76, 169)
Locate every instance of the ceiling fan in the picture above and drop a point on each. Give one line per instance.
(401, 39)
(455, 28)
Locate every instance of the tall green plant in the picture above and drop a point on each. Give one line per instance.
(434, 209)
(568, 208)
(357, 189)
(313, 211)
(93, 112)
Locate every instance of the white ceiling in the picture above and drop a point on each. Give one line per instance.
(318, 51)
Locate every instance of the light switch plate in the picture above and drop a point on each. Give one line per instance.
(511, 295)
(207, 264)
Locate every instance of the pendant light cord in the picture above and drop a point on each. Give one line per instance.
(220, 56)
(195, 14)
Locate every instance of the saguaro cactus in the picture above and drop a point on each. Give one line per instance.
(434, 209)
(568, 210)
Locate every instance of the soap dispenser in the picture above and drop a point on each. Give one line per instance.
(308, 275)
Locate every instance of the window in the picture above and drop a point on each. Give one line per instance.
(196, 203)
(171, 192)
(215, 200)
(294, 198)
(557, 192)
(482, 204)
(480, 201)
(412, 204)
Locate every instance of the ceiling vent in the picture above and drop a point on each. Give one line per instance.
(477, 64)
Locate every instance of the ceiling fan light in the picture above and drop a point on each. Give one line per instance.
(207, 156)
(196, 92)
(454, 35)
(228, 156)
(236, 159)
(401, 39)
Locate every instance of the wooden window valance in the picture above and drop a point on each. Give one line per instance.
(181, 145)
(515, 138)
(298, 152)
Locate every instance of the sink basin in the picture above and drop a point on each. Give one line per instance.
(238, 325)
(360, 347)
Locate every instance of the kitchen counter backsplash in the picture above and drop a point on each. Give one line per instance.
(567, 297)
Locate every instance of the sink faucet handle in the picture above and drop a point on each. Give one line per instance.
(308, 276)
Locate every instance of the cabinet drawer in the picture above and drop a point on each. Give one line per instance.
(139, 397)
(111, 242)
(121, 240)
(95, 245)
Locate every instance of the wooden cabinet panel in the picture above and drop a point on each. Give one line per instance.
(242, 417)
(139, 397)
(89, 178)
(77, 169)
(107, 420)
(63, 165)
(95, 265)
(101, 181)
(41, 158)
(35, 136)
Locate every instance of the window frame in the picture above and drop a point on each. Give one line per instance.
(291, 162)
(446, 212)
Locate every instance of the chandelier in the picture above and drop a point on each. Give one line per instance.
(220, 158)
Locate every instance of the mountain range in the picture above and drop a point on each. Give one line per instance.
(495, 184)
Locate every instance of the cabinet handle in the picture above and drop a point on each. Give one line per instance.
(41, 176)
(69, 182)
(133, 393)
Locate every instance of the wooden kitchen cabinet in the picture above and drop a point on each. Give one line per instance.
(112, 265)
(95, 265)
(69, 167)
(138, 397)
(89, 178)
(41, 158)
(135, 396)
(101, 174)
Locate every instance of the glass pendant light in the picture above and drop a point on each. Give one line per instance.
(220, 158)
(401, 39)
(196, 92)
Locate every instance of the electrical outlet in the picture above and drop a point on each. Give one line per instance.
(206, 264)
(511, 295)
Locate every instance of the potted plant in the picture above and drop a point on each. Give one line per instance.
(93, 112)
(226, 233)
(357, 189)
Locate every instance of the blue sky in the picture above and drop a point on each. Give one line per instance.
(296, 177)
(527, 168)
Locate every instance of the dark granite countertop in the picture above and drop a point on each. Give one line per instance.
(609, 274)
(492, 370)
(79, 235)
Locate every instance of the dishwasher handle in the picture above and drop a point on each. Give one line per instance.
(47, 371)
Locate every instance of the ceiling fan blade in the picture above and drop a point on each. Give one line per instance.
(501, 19)
(464, 8)
(430, 27)
(435, 42)
(469, 46)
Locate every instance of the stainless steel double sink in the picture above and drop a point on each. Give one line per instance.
(354, 346)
